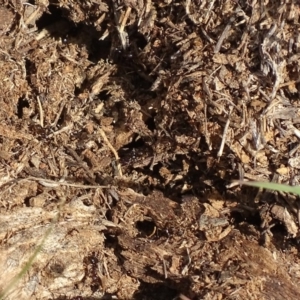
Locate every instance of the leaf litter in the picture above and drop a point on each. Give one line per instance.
(138, 116)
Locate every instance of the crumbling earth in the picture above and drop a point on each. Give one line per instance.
(123, 125)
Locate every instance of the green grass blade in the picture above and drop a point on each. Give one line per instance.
(274, 186)
(29, 263)
(17, 278)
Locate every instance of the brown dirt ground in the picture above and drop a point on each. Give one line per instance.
(122, 127)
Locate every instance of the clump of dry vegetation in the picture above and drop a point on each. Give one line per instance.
(125, 122)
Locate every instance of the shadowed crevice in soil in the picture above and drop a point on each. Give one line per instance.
(149, 291)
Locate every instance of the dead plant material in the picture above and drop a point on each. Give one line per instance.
(140, 114)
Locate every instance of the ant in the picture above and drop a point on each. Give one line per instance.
(91, 271)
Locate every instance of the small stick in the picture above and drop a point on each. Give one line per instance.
(33, 16)
(62, 106)
(220, 152)
(64, 129)
(82, 164)
(103, 135)
(207, 137)
(41, 112)
(298, 212)
(223, 35)
(53, 183)
(127, 13)
(288, 83)
(153, 162)
(165, 269)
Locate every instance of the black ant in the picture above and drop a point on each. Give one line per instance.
(91, 271)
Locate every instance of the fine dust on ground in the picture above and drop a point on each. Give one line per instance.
(123, 125)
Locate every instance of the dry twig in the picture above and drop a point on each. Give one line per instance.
(103, 135)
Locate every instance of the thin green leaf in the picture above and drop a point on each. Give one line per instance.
(274, 186)
(29, 263)
(27, 266)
